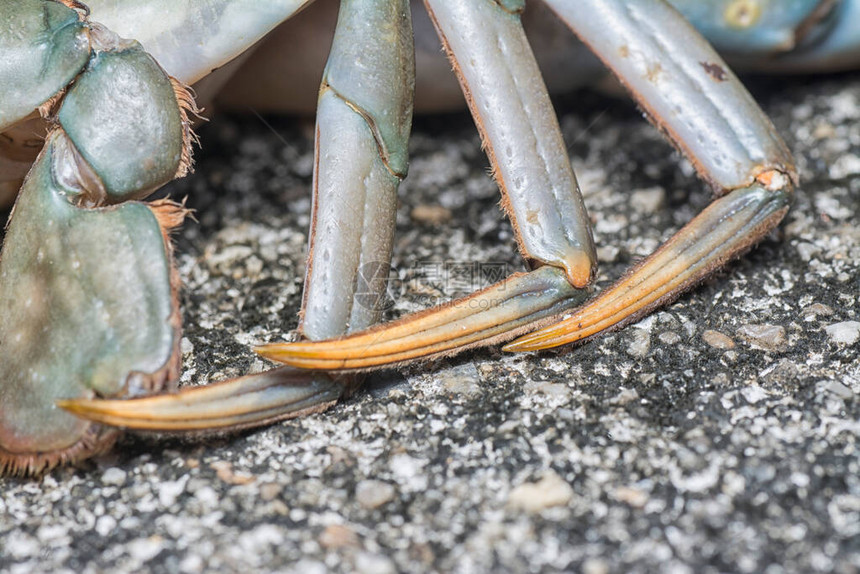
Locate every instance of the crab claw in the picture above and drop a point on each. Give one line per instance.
(514, 306)
(252, 400)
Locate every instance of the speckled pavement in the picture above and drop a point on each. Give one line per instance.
(719, 435)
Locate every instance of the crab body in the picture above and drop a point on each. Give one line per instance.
(97, 321)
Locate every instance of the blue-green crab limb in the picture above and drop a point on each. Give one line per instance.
(508, 99)
(689, 92)
(693, 97)
(363, 124)
(364, 118)
(88, 294)
(499, 75)
(683, 86)
(45, 45)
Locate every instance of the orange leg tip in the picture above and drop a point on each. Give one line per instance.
(580, 268)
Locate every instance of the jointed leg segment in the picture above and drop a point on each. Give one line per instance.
(500, 77)
(692, 96)
(88, 292)
(364, 119)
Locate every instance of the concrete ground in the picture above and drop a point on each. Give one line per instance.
(718, 435)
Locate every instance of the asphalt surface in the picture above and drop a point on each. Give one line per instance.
(717, 435)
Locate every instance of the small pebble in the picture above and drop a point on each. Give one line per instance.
(270, 490)
(718, 340)
(170, 490)
(105, 525)
(754, 394)
(824, 130)
(367, 563)
(765, 337)
(846, 333)
(114, 477)
(807, 251)
(784, 370)
(633, 496)
(533, 497)
(721, 380)
(838, 389)
(224, 471)
(547, 389)
(306, 566)
(462, 379)
(817, 310)
(372, 494)
(669, 338)
(595, 566)
(431, 214)
(192, 563)
(186, 346)
(144, 549)
(608, 253)
(338, 536)
(624, 397)
(647, 200)
(640, 343)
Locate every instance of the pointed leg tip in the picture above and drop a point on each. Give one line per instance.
(280, 352)
(516, 346)
(527, 344)
(494, 314)
(268, 350)
(562, 333)
(83, 406)
(244, 402)
(71, 405)
(285, 354)
(96, 410)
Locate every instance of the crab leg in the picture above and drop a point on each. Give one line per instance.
(364, 118)
(88, 290)
(492, 58)
(514, 115)
(363, 124)
(684, 86)
(692, 96)
(87, 286)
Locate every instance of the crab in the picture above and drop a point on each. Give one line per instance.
(89, 316)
